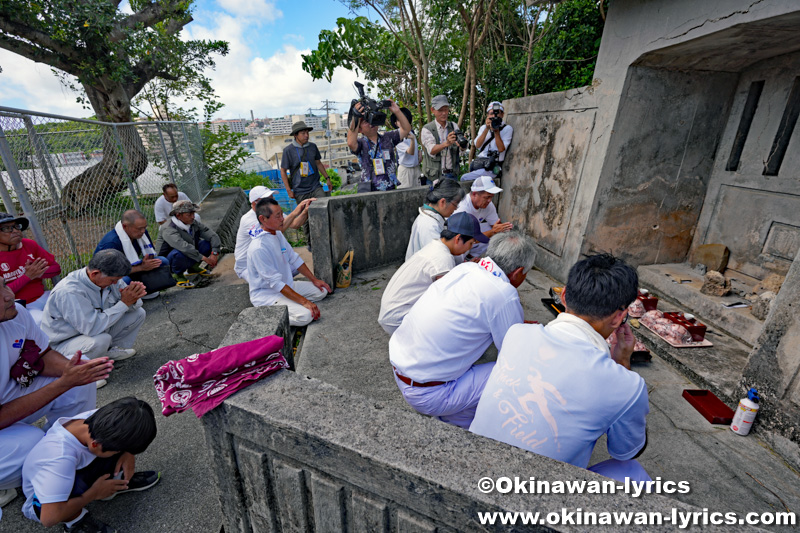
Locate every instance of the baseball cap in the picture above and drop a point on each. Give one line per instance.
(258, 192)
(466, 225)
(491, 105)
(485, 183)
(439, 101)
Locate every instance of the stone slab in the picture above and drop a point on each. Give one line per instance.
(221, 210)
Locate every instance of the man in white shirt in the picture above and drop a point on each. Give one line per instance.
(556, 389)
(270, 264)
(490, 140)
(164, 202)
(408, 171)
(426, 266)
(479, 204)
(35, 381)
(449, 328)
(249, 226)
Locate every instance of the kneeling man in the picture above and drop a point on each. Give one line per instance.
(271, 263)
(556, 389)
(449, 328)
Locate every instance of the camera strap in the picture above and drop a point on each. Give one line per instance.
(486, 143)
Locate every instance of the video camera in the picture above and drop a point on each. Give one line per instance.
(371, 108)
(497, 120)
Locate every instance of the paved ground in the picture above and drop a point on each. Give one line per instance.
(348, 348)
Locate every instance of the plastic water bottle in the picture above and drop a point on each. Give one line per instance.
(745, 413)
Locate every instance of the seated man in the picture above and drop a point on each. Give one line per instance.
(130, 237)
(570, 389)
(185, 242)
(270, 263)
(48, 385)
(479, 204)
(87, 457)
(426, 266)
(164, 202)
(24, 264)
(92, 310)
(449, 328)
(249, 226)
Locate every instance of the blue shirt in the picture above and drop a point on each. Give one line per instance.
(110, 241)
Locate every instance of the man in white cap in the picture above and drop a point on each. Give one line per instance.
(479, 204)
(249, 226)
(492, 144)
(438, 137)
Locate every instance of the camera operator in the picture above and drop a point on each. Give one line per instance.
(442, 156)
(492, 143)
(376, 152)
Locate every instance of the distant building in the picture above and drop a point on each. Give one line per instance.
(283, 125)
(236, 125)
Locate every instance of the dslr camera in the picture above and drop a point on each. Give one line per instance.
(372, 109)
(497, 120)
(462, 140)
(491, 160)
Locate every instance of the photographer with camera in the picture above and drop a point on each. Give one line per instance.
(493, 141)
(376, 152)
(442, 156)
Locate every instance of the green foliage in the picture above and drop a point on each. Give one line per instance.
(342, 192)
(223, 153)
(247, 181)
(336, 180)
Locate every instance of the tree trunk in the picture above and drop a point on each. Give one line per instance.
(124, 154)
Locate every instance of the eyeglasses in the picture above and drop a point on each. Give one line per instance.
(11, 228)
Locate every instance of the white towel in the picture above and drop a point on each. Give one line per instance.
(184, 227)
(127, 245)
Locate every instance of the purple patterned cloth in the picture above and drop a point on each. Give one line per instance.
(384, 149)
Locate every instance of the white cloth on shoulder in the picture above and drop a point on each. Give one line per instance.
(184, 227)
(127, 245)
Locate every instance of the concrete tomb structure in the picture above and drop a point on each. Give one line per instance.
(686, 137)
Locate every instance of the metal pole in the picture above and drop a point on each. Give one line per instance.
(166, 156)
(19, 187)
(42, 156)
(7, 201)
(198, 194)
(125, 170)
(203, 169)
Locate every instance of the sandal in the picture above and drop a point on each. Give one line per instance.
(182, 281)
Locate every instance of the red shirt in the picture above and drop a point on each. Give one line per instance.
(12, 267)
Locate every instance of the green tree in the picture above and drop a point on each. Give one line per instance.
(108, 56)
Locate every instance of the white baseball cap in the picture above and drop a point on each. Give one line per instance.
(490, 106)
(485, 184)
(258, 192)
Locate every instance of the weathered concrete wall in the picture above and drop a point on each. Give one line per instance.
(774, 367)
(221, 211)
(375, 225)
(658, 164)
(543, 170)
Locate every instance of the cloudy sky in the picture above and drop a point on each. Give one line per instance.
(262, 72)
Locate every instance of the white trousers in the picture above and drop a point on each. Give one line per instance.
(36, 309)
(299, 315)
(408, 176)
(17, 440)
(454, 402)
(122, 334)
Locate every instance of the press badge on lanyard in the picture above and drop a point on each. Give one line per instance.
(305, 168)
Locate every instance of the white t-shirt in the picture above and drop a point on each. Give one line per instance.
(49, 470)
(163, 207)
(555, 390)
(487, 217)
(505, 134)
(403, 157)
(427, 227)
(412, 279)
(454, 321)
(248, 228)
(270, 263)
(12, 337)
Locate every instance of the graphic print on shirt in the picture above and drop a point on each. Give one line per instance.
(538, 396)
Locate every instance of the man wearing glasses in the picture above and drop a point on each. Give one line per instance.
(24, 264)
(556, 389)
(272, 264)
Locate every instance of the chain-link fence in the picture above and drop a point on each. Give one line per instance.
(73, 178)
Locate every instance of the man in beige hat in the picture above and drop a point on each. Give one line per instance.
(185, 242)
(302, 160)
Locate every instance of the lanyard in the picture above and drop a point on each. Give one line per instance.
(300, 157)
(374, 153)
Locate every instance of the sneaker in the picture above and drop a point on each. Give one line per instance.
(101, 383)
(182, 281)
(89, 524)
(151, 296)
(120, 354)
(6, 496)
(139, 482)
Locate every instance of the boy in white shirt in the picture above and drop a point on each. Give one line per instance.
(86, 458)
(426, 266)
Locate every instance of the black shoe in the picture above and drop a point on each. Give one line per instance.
(140, 481)
(89, 524)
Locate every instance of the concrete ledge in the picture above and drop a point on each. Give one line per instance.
(375, 225)
(221, 211)
(256, 322)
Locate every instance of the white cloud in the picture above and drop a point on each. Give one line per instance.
(265, 10)
(33, 86)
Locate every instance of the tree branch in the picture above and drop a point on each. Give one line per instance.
(43, 41)
(34, 53)
(149, 16)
